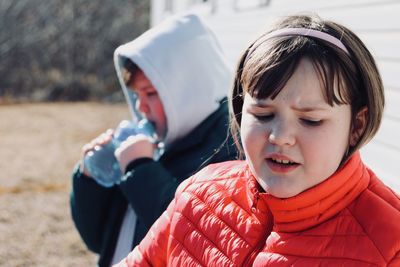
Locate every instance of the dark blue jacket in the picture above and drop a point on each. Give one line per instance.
(150, 186)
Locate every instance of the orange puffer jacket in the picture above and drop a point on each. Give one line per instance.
(219, 217)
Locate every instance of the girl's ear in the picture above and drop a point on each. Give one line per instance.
(358, 127)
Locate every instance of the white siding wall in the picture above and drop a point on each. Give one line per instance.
(376, 22)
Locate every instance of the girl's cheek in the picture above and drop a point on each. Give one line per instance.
(253, 130)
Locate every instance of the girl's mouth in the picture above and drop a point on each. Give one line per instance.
(281, 165)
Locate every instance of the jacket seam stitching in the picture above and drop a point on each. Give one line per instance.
(201, 232)
(241, 207)
(214, 180)
(372, 241)
(184, 248)
(322, 258)
(224, 222)
(397, 255)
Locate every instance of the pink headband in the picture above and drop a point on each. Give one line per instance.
(308, 32)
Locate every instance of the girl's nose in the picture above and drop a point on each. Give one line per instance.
(281, 134)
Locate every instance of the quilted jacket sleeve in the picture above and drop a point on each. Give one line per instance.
(153, 249)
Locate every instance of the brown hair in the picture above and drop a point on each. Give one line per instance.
(268, 63)
(129, 69)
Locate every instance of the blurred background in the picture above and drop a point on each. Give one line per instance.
(61, 50)
(58, 90)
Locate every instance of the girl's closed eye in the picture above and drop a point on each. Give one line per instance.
(264, 117)
(311, 122)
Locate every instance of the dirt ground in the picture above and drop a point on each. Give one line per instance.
(39, 146)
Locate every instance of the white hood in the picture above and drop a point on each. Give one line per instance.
(184, 61)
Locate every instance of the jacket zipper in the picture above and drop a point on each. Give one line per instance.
(261, 243)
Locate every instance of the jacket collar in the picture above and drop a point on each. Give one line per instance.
(198, 134)
(316, 204)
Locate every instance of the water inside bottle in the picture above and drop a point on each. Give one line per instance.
(102, 163)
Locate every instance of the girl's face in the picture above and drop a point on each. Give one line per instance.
(149, 102)
(297, 140)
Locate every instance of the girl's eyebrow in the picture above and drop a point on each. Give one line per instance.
(310, 108)
(260, 104)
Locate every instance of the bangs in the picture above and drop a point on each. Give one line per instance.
(347, 76)
(129, 69)
(268, 68)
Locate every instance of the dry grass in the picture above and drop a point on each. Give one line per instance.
(40, 144)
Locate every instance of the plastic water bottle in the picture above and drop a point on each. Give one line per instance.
(102, 163)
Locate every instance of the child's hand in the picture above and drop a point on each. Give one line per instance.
(138, 146)
(101, 140)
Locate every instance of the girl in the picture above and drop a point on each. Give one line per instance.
(307, 96)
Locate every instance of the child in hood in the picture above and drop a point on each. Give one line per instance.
(179, 78)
